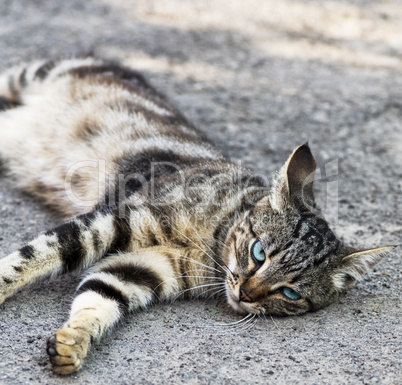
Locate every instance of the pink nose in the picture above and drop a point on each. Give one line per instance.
(244, 295)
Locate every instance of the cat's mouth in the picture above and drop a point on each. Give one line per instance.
(240, 306)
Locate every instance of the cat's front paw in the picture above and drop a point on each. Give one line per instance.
(67, 350)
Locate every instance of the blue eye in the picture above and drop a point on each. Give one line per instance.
(258, 253)
(290, 294)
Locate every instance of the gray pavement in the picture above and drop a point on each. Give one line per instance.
(259, 78)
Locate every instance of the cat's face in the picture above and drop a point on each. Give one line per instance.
(283, 258)
(281, 263)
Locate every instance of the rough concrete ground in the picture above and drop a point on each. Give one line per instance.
(260, 77)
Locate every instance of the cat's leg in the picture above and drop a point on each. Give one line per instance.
(116, 286)
(72, 246)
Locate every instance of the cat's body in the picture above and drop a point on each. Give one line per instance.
(162, 214)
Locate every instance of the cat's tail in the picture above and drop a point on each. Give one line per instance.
(17, 81)
(9, 94)
(14, 82)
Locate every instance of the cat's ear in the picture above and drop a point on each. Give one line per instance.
(294, 184)
(354, 266)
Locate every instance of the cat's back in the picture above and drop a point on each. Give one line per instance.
(88, 97)
(92, 120)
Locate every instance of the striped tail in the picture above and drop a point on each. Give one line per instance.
(16, 81)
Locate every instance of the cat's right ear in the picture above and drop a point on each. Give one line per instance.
(294, 183)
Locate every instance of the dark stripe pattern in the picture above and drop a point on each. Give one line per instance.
(6, 104)
(22, 80)
(122, 235)
(314, 245)
(136, 275)
(114, 74)
(119, 71)
(107, 291)
(44, 70)
(27, 252)
(71, 250)
(69, 242)
(139, 169)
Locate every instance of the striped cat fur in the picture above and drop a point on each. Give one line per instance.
(158, 213)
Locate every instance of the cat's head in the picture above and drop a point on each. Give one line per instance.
(283, 257)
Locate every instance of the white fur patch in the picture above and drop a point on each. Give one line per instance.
(139, 296)
(149, 105)
(154, 260)
(105, 312)
(158, 262)
(232, 263)
(46, 260)
(338, 280)
(103, 224)
(6, 266)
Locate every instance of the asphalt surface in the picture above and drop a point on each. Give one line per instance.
(259, 78)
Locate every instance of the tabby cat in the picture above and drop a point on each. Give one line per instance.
(158, 212)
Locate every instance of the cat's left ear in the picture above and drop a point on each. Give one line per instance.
(354, 266)
(294, 184)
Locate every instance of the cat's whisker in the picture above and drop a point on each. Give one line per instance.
(210, 326)
(223, 244)
(211, 295)
(236, 322)
(197, 287)
(272, 318)
(224, 268)
(206, 285)
(170, 251)
(242, 327)
(248, 324)
(251, 324)
(245, 326)
(191, 276)
(217, 292)
(199, 237)
(266, 319)
(202, 277)
(201, 264)
(185, 258)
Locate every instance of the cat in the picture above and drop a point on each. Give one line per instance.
(158, 213)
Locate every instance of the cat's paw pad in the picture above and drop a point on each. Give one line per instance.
(67, 350)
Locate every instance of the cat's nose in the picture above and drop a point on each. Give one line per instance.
(244, 296)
